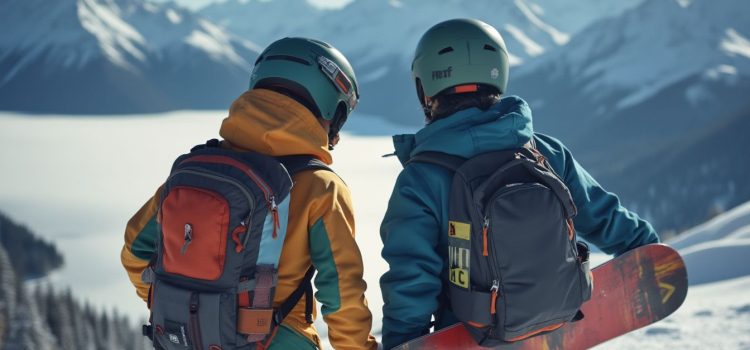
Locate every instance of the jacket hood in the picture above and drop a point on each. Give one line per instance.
(506, 124)
(271, 123)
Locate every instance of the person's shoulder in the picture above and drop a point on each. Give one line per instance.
(548, 141)
(550, 145)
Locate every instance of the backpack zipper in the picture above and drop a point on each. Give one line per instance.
(275, 214)
(494, 291)
(267, 192)
(195, 325)
(491, 261)
(495, 288)
(485, 227)
(214, 176)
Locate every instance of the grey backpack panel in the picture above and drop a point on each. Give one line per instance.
(514, 265)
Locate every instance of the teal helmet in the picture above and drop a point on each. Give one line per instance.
(313, 70)
(459, 55)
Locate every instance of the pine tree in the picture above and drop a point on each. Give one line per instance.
(26, 328)
(8, 287)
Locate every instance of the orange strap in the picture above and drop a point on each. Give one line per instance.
(236, 237)
(531, 334)
(571, 229)
(264, 346)
(484, 241)
(243, 298)
(493, 303)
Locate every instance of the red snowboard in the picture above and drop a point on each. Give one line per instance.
(633, 290)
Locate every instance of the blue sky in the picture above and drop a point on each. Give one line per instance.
(194, 4)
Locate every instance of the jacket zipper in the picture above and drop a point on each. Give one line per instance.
(195, 325)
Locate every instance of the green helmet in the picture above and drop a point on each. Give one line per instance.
(462, 54)
(312, 69)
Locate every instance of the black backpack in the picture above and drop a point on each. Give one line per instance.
(222, 222)
(515, 267)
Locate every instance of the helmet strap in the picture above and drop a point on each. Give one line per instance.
(339, 118)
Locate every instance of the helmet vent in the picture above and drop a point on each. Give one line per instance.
(445, 50)
(287, 58)
(321, 43)
(489, 47)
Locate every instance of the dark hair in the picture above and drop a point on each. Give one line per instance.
(448, 104)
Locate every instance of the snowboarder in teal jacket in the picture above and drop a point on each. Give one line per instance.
(461, 72)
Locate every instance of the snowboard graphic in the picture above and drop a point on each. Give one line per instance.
(633, 290)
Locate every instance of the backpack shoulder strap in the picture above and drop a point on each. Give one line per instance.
(294, 165)
(297, 163)
(212, 143)
(444, 160)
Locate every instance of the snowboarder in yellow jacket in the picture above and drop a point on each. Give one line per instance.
(297, 103)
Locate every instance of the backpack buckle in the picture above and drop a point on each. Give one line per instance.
(255, 323)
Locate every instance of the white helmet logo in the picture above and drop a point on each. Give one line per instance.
(494, 73)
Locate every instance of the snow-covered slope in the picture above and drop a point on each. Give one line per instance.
(379, 37)
(714, 316)
(718, 249)
(732, 225)
(716, 313)
(84, 56)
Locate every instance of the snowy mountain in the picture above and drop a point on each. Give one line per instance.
(115, 56)
(678, 58)
(689, 180)
(653, 103)
(379, 37)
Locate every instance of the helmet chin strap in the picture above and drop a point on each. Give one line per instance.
(332, 140)
(333, 130)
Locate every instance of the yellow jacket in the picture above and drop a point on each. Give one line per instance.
(321, 222)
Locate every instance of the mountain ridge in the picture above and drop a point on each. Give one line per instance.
(123, 56)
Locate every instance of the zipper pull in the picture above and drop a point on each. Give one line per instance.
(485, 228)
(194, 300)
(275, 214)
(494, 289)
(188, 238)
(238, 245)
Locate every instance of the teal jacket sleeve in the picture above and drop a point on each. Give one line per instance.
(601, 219)
(410, 233)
